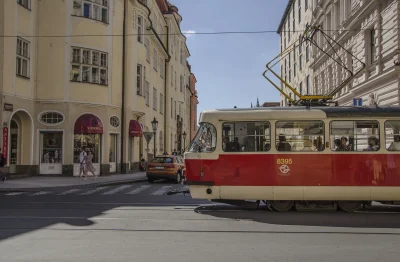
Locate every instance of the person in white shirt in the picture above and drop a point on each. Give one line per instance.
(82, 162)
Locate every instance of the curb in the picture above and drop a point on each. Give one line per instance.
(98, 184)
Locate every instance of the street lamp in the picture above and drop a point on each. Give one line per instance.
(184, 140)
(154, 124)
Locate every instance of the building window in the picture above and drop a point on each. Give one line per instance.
(181, 57)
(294, 19)
(290, 68)
(175, 108)
(139, 80)
(162, 71)
(307, 53)
(51, 118)
(305, 4)
(147, 93)
(301, 88)
(373, 45)
(256, 137)
(181, 83)
(161, 103)
(23, 61)
(308, 84)
(25, 3)
(96, 10)
(147, 46)
(155, 59)
(176, 84)
(114, 121)
(89, 66)
(172, 76)
(161, 139)
(172, 107)
(155, 98)
(354, 135)
(299, 2)
(140, 29)
(294, 136)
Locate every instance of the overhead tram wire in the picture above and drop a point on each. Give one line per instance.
(188, 33)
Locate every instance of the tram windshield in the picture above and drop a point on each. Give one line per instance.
(205, 140)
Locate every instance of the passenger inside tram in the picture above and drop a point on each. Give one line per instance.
(283, 145)
(373, 144)
(395, 145)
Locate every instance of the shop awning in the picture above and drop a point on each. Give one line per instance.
(135, 129)
(88, 124)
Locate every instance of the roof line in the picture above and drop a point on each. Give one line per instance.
(289, 5)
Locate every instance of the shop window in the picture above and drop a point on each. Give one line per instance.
(51, 148)
(91, 143)
(246, 137)
(114, 121)
(51, 118)
(355, 135)
(299, 136)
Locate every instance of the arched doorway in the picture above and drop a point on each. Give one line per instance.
(88, 130)
(20, 148)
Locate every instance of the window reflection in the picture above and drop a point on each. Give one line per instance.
(205, 140)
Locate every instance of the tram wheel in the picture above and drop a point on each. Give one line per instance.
(349, 206)
(282, 206)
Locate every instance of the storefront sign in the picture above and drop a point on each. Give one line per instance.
(8, 107)
(5, 143)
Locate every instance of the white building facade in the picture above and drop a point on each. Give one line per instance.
(368, 29)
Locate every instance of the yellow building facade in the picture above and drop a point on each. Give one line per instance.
(90, 75)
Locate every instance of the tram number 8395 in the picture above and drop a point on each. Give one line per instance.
(284, 161)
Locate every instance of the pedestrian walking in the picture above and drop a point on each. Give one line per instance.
(89, 165)
(82, 162)
(2, 164)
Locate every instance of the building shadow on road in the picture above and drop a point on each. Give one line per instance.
(376, 217)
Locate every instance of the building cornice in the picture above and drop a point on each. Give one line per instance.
(283, 20)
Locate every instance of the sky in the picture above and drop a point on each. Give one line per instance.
(229, 68)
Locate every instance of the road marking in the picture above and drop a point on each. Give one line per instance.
(115, 190)
(14, 193)
(93, 191)
(161, 191)
(41, 193)
(138, 190)
(70, 191)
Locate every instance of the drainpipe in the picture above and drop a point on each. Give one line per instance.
(166, 64)
(165, 68)
(123, 88)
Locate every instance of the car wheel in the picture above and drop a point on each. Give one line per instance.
(178, 178)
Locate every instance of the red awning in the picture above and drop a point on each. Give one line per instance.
(88, 124)
(135, 129)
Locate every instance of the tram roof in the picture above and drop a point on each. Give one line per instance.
(298, 112)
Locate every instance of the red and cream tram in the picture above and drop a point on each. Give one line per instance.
(297, 157)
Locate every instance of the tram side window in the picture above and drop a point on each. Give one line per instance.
(355, 135)
(300, 136)
(392, 132)
(246, 137)
(205, 140)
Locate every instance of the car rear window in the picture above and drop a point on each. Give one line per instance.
(163, 160)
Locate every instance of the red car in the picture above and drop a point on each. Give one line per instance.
(167, 167)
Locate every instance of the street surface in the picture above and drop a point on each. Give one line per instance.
(140, 222)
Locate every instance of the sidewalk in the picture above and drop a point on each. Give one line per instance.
(43, 183)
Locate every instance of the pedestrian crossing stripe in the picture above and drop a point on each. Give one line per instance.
(115, 190)
(138, 190)
(132, 189)
(93, 191)
(161, 191)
